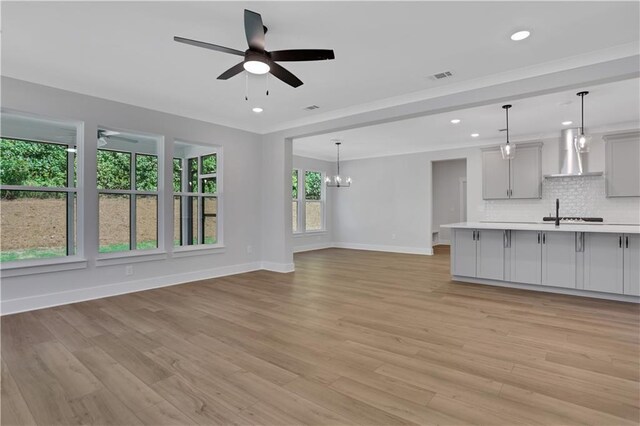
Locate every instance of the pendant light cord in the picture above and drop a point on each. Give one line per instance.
(338, 145)
(507, 110)
(582, 114)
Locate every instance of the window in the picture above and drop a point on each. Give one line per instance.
(295, 204)
(38, 189)
(314, 201)
(196, 194)
(127, 181)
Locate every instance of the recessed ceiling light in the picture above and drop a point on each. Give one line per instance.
(475, 135)
(566, 123)
(520, 35)
(257, 110)
(455, 121)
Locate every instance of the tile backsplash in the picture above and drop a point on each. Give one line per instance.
(579, 196)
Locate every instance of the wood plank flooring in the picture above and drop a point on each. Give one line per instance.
(351, 337)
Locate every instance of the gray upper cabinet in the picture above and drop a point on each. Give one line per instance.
(526, 172)
(495, 175)
(519, 178)
(622, 168)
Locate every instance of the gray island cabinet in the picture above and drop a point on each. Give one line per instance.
(589, 260)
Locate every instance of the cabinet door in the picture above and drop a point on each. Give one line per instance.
(603, 262)
(622, 171)
(495, 176)
(526, 172)
(526, 257)
(559, 259)
(632, 264)
(490, 254)
(463, 256)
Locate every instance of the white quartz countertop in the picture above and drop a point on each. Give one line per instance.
(549, 227)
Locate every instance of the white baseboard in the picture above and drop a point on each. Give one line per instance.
(548, 289)
(31, 303)
(310, 247)
(392, 249)
(283, 268)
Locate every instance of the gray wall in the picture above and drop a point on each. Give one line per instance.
(242, 203)
(446, 195)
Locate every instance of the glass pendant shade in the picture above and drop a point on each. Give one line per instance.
(508, 151)
(337, 180)
(582, 143)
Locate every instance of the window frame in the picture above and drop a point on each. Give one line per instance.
(218, 195)
(74, 190)
(300, 203)
(133, 193)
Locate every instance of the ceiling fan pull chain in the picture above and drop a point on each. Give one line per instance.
(246, 87)
(267, 84)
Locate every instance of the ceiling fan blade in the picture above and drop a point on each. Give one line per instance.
(302, 55)
(254, 29)
(286, 76)
(234, 70)
(208, 46)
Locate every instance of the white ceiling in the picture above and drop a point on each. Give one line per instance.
(124, 51)
(608, 106)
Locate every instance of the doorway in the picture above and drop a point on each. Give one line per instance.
(449, 197)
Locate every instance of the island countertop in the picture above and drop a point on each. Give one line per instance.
(549, 227)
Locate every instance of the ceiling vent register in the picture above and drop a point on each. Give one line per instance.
(441, 75)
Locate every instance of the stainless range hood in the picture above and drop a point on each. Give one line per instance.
(572, 163)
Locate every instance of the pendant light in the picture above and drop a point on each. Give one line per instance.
(508, 150)
(582, 141)
(337, 181)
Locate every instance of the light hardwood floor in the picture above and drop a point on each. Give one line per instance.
(351, 337)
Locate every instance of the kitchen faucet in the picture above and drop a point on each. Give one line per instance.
(557, 212)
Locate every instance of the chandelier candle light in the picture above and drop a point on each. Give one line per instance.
(508, 150)
(338, 181)
(582, 142)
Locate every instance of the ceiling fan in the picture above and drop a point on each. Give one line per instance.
(257, 60)
(104, 136)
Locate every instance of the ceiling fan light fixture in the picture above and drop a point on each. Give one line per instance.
(256, 67)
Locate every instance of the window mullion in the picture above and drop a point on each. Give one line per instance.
(132, 202)
(70, 204)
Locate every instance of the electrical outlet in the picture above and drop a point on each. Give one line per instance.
(128, 270)
(249, 249)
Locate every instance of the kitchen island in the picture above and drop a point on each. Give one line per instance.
(595, 260)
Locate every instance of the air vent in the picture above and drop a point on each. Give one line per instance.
(441, 75)
(311, 107)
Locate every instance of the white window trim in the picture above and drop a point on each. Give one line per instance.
(218, 246)
(130, 255)
(75, 223)
(300, 225)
